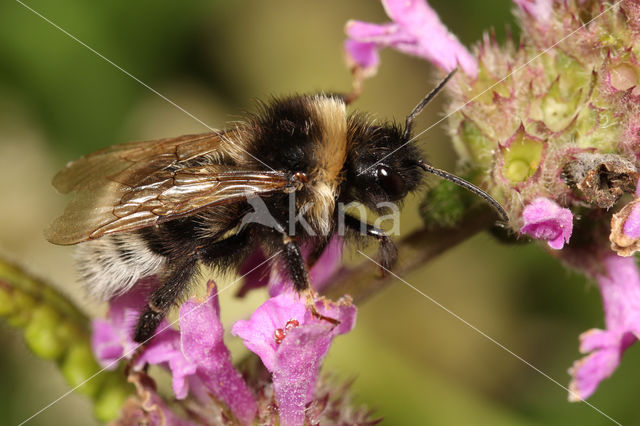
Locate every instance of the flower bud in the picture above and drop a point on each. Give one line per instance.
(110, 398)
(41, 333)
(79, 366)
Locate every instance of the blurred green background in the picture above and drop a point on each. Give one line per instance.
(413, 362)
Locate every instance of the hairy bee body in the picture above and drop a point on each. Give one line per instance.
(112, 265)
(302, 134)
(272, 182)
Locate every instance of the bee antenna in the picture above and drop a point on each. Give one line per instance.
(423, 103)
(466, 185)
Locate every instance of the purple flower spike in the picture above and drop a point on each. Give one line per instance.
(620, 287)
(202, 345)
(164, 349)
(113, 338)
(107, 343)
(415, 30)
(292, 344)
(546, 220)
(196, 355)
(540, 9)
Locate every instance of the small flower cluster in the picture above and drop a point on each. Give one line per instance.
(552, 127)
(55, 329)
(289, 341)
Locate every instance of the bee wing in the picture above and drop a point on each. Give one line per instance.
(140, 184)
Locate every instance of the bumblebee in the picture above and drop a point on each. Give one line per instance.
(162, 207)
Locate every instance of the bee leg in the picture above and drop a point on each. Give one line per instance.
(300, 277)
(163, 298)
(295, 262)
(387, 251)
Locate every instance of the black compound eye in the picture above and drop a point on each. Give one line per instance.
(391, 182)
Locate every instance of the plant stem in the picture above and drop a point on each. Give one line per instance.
(414, 250)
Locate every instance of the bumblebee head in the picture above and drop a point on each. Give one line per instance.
(380, 167)
(384, 164)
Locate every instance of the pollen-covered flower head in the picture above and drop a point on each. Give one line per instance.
(555, 116)
(521, 114)
(550, 126)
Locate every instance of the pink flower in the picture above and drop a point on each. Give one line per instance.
(112, 338)
(292, 344)
(620, 287)
(415, 30)
(540, 10)
(259, 274)
(196, 355)
(546, 220)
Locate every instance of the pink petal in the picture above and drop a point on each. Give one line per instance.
(632, 224)
(295, 360)
(590, 370)
(372, 33)
(416, 30)
(112, 338)
(195, 355)
(299, 357)
(594, 339)
(437, 44)
(540, 10)
(202, 344)
(620, 287)
(258, 331)
(106, 343)
(363, 54)
(546, 220)
(298, 361)
(165, 350)
(414, 15)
